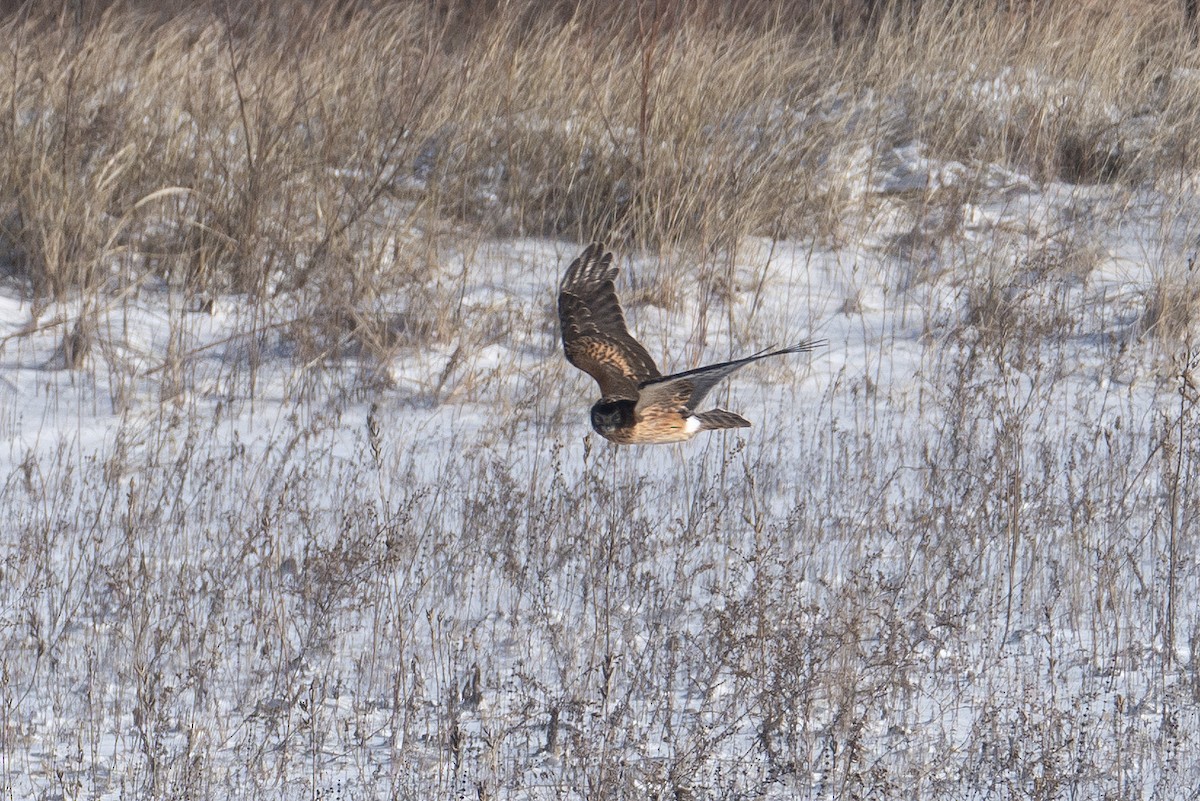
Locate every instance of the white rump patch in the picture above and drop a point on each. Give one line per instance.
(692, 424)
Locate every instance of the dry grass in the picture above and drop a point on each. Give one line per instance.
(955, 608)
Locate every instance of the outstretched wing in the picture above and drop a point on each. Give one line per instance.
(594, 335)
(686, 390)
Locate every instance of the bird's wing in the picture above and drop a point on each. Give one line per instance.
(665, 395)
(594, 335)
(689, 388)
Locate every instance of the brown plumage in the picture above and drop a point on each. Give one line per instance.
(638, 404)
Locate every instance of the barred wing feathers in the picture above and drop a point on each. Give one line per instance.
(595, 338)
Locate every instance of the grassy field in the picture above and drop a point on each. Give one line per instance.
(299, 495)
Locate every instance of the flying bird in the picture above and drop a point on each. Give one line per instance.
(638, 404)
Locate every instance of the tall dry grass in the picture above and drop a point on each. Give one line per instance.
(322, 153)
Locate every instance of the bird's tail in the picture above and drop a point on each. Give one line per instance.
(719, 418)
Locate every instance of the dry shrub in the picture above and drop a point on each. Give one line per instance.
(1172, 306)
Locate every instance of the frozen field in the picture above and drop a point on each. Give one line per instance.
(298, 492)
(952, 558)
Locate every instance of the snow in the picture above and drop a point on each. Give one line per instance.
(937, 566)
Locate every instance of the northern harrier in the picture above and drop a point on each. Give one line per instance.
(638, 404)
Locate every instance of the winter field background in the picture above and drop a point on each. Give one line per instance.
(299, 496)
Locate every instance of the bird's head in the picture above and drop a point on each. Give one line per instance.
(609, 415)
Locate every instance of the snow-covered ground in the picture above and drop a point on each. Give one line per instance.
(953, 558)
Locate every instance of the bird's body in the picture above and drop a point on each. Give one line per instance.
(638, 404)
